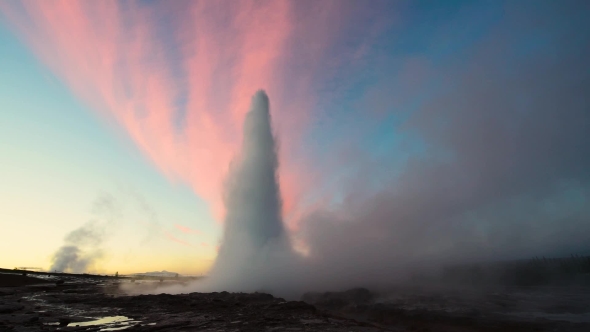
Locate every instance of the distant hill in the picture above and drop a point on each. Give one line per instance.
(162, 273)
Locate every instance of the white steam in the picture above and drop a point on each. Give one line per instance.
(255, 243)
(82, 247)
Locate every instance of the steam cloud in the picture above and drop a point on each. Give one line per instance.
(255, 243)
(486, 204)
(81, 247)
(495, 166)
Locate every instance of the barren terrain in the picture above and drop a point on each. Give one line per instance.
(97, 304)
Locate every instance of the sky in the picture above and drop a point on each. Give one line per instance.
(405, 128)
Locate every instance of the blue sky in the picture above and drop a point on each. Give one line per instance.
(58, 158)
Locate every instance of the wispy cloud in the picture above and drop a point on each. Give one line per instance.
(177, 78)
(172, 238)
(187, 230)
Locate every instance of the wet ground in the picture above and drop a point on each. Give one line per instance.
(87, 304)
(84, 304)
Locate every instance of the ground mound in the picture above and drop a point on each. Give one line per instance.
(17, 280)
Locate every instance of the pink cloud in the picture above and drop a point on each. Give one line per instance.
(175, 239)
(112, 56)
(187, 230)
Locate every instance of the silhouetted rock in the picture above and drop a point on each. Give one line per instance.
(338, 300)
(16, 280)
(63, 321)
(10, 308)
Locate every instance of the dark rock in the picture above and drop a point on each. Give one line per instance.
(5, 291)
(25, 329)
(18, 319)
(63, 321)
(10, 308)
(338, 300)
(297, 305)
(17, 280)
(261, 297)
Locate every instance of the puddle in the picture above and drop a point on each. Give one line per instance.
(104, 320)
(110, 323)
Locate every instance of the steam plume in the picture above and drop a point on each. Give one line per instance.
(81, 248)
(254, 241)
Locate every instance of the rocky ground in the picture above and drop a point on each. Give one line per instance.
(464, 309)
(97, 305)
(87, 304)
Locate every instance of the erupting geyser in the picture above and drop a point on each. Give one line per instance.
(252, 199)
(255, 245)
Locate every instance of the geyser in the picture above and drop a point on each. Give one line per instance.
(252, 199)
(255, 246)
